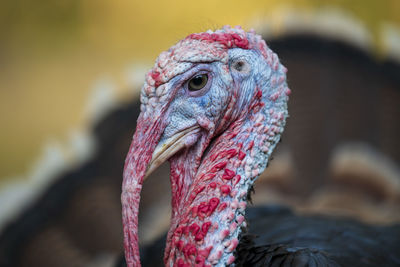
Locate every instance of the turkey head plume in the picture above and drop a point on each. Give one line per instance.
(214, 105)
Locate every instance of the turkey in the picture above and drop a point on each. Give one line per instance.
(76, 219)
(215, 105)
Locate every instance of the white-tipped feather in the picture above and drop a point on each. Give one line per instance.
(363, 161)
(391, 40)
(101, 100)
(16, 195)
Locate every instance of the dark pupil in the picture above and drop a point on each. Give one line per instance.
(198, 82)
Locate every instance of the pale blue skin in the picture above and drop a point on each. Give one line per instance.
(211, 101)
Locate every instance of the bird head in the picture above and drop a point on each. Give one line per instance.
(214, 105)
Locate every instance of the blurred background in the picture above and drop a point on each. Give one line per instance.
(70, 74)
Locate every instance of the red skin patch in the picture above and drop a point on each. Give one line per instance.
(194, 228)
(199, 261)
(225, 189)
(213, 185)
(179, 244)
(224, 234)
(232, 135)
(226, 39)
(241, 155)
(199, 237)
(203, 207)
(195, 211)
(219, 166)
(205, 227)
(199, 189)
(240, 219)
(228, 174)
(231, 153)
(259, 94)
(154, 75)
(208, 176)
(181, 263)
(189, 250)
(214, 156)
(250, 146)
(234, 244)
(213, 204)
(183, 230)
(236, 179)
(240, 145)
(231, 259)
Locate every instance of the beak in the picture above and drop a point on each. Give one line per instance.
(169, 147)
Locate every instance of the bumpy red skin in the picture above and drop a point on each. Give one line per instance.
(216, 193)
(208, 195)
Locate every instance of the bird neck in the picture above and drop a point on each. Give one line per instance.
(209, 199)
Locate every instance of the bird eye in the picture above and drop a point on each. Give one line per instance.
(238, 65)
(198, 82)
(241, 66)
